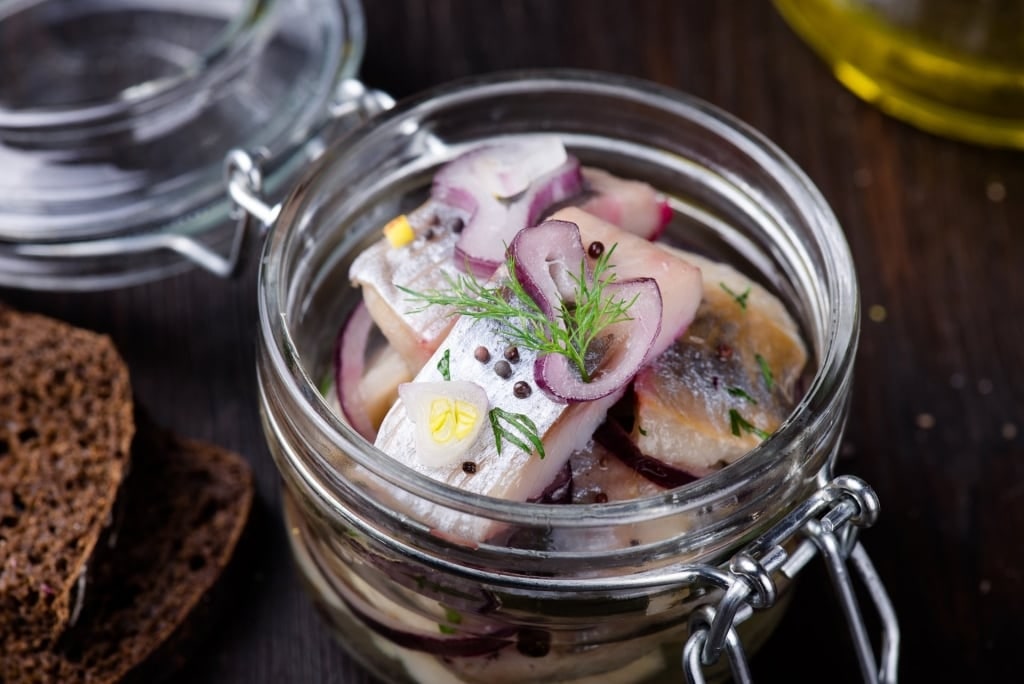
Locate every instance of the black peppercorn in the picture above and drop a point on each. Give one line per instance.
(481, 354)
(502, 369)
(512, 354)
(522, 389)
(595, 249)
(457, 224)
(469, 467)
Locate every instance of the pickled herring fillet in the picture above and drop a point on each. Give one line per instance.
(381, 270)
(727, 383)
(423, 264)
(600, 476)
(516, 474)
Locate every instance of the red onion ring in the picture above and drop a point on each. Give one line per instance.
(469, 183)
(349, 365)
(612, 437)
(630, 344)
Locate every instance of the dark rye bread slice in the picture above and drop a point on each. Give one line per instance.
(66, 427)
(184, 508)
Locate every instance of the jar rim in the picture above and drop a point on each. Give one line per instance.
(835, 359)
(238, 35)
(68, 226)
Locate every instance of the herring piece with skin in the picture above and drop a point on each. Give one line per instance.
(382, 270)
(517, 475)
(599, 477)
(685, 397)
(424, 264)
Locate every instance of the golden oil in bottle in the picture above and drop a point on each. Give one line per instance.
(952, 67)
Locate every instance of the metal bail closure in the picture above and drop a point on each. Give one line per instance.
(243, 175)
(826, 523)
(244, 180)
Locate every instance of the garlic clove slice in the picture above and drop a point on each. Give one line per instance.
(448, 417)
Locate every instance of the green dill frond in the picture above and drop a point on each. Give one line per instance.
(517, 428)
(576, 326)
(740, 299)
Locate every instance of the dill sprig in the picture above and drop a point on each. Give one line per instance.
(738, 423)
(517, 429)
(766, 372)
(741, 299)
(575, 327)
(444, 366)
(741, 393)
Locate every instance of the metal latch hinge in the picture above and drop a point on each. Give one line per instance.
(827, 524)
(243, 174)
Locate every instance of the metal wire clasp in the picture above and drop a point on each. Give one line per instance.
(826, 523)
(243, 177)
(243, 173)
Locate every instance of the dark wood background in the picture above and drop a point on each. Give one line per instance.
(937, 424)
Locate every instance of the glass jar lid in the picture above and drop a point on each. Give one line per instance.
(116, 116)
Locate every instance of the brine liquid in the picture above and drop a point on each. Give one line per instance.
(949, 67)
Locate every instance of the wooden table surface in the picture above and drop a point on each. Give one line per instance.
(937, 424)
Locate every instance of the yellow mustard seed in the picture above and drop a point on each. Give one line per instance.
(399, 232)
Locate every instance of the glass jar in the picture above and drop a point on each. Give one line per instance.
(116, 115)
(569, 595)
(950, 67)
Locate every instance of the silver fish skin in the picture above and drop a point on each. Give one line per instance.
(424, 264)
(684, 397)
(515, 474)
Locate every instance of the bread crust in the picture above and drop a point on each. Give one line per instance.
(185, 507)
(66, 427)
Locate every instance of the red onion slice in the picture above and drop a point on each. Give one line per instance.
(504, 188)
(665, 215)
(616, 440)
(546, 258)
(626, 347)
(349, 364)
